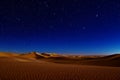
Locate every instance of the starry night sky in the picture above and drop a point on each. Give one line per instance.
(62, 26)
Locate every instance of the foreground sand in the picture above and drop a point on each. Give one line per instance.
(28, 69)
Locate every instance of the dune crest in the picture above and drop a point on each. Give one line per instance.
(109, 60)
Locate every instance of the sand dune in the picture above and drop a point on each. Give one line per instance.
(8, 54)
(36, 66)
(110, 60)
(112, 57)
(31, 55)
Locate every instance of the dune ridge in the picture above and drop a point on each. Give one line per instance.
(109, 60)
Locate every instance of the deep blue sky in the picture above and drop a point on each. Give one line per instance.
(62, 26)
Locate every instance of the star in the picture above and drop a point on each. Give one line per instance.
(98, 7)
(46, 4)
(40, 3)
(98, 12)
(54, 13)
(83, 28)
(51, 27)
(63, 9)
(97, 15)
(61, 20)
(18, 19)
(71, 25)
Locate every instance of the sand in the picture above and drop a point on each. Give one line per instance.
(17, 68)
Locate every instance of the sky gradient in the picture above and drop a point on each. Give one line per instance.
(62, 26)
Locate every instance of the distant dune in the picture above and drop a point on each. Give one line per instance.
(51, 66)
(109, 60)
(113, 57)
(31, 55)
(8, 54)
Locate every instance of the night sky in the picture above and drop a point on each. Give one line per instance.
(61, 26)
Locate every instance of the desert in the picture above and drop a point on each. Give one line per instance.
(43, 66)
